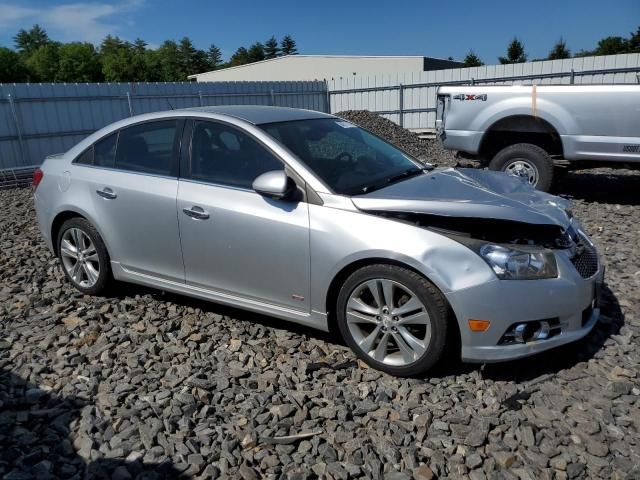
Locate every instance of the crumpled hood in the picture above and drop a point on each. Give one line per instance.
(469, 192)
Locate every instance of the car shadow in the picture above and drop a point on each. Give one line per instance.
(518, 371)
(36, 440)
(124, 290)
(602, 185)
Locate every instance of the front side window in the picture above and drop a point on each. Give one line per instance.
(224, 155)
(348, 159)
(147, 147)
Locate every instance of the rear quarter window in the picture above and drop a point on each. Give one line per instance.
(104, 151)
(86, 157)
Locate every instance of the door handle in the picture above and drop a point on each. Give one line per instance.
(107, 193)
(196, 212)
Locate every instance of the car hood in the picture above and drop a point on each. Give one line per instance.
(468, 192)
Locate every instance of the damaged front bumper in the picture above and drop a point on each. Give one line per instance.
(568, 307)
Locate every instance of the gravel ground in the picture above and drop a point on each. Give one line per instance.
(146, 385)
(426, 150)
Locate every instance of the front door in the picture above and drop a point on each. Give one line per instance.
(234, 240)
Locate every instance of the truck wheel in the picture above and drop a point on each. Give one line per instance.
(525, 160)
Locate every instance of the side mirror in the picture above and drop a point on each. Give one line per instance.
(274, 184)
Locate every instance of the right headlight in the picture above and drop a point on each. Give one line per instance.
(514, 264)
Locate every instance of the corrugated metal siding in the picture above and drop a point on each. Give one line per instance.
(383, 94)
(37, 120)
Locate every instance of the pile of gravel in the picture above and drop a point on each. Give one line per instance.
(142, 384)
(425, 150)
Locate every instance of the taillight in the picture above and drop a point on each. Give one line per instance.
(37, 178)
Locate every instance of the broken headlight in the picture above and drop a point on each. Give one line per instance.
(515, 264)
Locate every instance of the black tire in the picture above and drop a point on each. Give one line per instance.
(431, 298)
(104, 277)
(531, 154)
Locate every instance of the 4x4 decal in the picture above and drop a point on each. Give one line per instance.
(466, 96)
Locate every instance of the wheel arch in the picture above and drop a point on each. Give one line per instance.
(341, 276)
(520, 128)
(67, 214)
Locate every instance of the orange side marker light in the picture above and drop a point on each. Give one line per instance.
(479, 325)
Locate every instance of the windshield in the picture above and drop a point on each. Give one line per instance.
(348, 159)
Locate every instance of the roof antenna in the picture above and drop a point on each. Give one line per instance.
(170, 106)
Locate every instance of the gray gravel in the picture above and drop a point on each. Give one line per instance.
(149, 385)
(425, 150)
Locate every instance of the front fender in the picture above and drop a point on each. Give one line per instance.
(341, 238)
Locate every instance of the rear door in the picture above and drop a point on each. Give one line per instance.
(234, 240)
(134, 185)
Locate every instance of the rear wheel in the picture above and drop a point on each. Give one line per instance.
(394, 319)
(84, 256)
(528, 161)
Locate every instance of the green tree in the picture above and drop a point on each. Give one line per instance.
(214, 57)
(79, 62)
(515, 53)
(240, 57)
(612, 46)
(585, 53)
(27, 42)
(170, 62)
(116, 57)
(191, 59)
(288, 46)
(153, 69)
(559, 51)
(472, 60)
(271, 49)
(256, 52)
(12, 70)
(139, 60)
(634, 41)
(43, 63)
(111, 44)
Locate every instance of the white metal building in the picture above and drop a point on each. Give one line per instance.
(324, 67)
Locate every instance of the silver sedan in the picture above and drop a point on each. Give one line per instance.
(306, 217)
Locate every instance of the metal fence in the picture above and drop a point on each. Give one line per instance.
(37, 120)
(410, 99)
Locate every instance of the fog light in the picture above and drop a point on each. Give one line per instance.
(531, 331)
(479, 325)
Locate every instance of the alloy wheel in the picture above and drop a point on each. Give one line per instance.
(80, 258)
(388, 322)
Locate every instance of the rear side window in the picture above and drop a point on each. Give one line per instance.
(147, 148)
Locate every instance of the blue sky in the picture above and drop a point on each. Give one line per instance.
(420, 27)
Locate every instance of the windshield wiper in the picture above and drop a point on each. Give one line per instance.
(411, 172)
(406, 174)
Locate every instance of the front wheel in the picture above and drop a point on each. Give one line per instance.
(394, 319)
(528, 161)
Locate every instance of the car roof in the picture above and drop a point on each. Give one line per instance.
(260, 114)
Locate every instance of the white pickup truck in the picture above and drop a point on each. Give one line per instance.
(527, 130)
